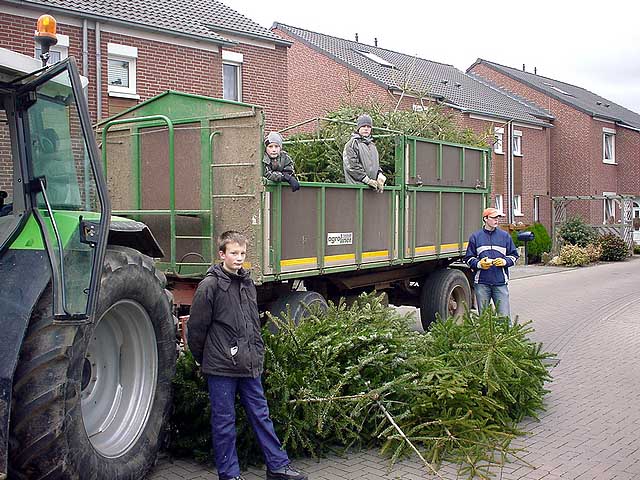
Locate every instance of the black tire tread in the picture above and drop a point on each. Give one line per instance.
(44, 395)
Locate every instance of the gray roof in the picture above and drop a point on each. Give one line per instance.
(416, 75)
(577, 97)
(202, 19)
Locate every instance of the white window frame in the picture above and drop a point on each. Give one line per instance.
(498, 202)
(609, 133)
(62, 47)
(517, 143)
(608, 208)
(498, 133)
(517, 206)
(536, 208)
(233, 59)
(127, 54)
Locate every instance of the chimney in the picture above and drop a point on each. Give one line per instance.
(535, 70)
(356, 36)
(375, 41)
(523, 69)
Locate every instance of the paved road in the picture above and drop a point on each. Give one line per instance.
(590, 317)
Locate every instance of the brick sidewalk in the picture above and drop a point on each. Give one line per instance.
(590, 317)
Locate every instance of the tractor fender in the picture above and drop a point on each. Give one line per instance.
(25, 274)
(134, 234)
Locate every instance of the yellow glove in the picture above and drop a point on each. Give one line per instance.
(499, 262)
(485, 263)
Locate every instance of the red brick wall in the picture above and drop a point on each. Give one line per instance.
(163, 66)
(573, 157)
(576, 146)
(628, 158)
(318, 84)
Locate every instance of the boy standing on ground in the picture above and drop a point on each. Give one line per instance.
(490, 253)
(224, 337)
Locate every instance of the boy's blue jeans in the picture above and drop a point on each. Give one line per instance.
(498, 293)
(222, 393)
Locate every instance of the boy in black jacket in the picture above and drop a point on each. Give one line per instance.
(224, 337)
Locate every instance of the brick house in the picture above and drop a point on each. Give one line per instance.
(146, 47)
(326, 72)
(595, 143)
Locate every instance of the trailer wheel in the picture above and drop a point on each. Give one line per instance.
(445, 292)
(92, 401)
(298, 303)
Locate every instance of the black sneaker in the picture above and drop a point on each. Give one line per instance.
(239, 477)
(286, 473)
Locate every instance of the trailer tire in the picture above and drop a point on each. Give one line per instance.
(299, 304)
(92, 400)
(446, 293)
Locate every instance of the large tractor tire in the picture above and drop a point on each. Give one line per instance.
(445, 293)
(297, 304)
(92, 401)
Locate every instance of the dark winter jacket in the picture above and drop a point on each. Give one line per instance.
(493, 244)
(223, 331)
(360, 159)
(275, 168)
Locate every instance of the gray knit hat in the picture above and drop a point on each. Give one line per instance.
(363, 120)
(273, 137)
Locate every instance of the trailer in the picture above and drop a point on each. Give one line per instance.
(190, 167)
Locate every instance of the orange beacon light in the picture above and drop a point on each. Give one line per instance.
(46, 36)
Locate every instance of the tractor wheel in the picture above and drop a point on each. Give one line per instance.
(445, 292)
(297, 303)
(92, 401)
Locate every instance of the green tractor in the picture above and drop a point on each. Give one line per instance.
(89, 344)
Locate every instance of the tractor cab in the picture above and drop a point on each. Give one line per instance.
(52, 196)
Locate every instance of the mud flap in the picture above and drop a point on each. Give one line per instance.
(24, 274)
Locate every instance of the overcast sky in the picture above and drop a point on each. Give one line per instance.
(593, 45)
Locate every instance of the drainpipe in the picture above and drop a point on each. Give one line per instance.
(510, 217)
(98, 73)
(85, 48)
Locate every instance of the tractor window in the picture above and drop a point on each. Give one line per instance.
(58, 157)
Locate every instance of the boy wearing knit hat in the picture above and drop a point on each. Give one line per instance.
(278, 166)
(360, 157)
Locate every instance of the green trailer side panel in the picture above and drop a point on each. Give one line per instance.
(376, 238)
(451, 172)
(451, 222)
(473, 206)
(341, 226)
(427, 206)
(473, 174)
(299, 229)
(427, 162)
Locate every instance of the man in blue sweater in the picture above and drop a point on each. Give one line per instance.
(490, 253)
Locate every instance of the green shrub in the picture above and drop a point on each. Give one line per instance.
(540, 244)
(594, 251)
(576, 232)
(573, 256)
(321, 160)
(614, 249)
(335, 380)
(636, 249)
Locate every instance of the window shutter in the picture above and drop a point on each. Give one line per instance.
(119, 73)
